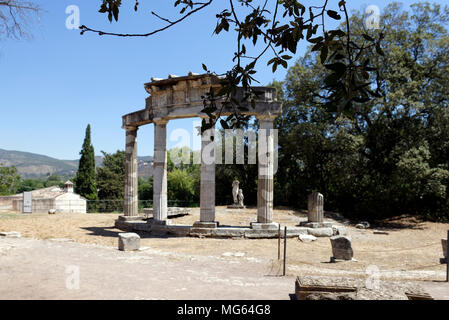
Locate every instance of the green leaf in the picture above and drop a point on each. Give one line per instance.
(115, 11)
(333, 14)
(324, 53)
(332, 79)
(316, 40)
(271, 61)
(284, 64)
(317, 46)
(338, 67)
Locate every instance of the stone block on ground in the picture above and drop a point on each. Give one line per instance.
(321, 232)
(315, 224)
(380, 232)
(202, 224)
(261, 234)
(11, 234)
(420, 296)
(363, 225)
(313, 288)
(320, 287)
(307, 238)
(308, 224)
(339, 230)
(128, 241)
(264, 226)
(341, 248)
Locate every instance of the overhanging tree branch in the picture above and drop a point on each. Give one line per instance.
(169, 25)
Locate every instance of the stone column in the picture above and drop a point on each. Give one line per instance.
(160, 172)
(131, 188)
(265, 174)
(315, 207)
(207, 193)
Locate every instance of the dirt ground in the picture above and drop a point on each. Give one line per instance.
(411, 251)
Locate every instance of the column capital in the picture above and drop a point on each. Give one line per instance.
(160, 121)
(266, 117)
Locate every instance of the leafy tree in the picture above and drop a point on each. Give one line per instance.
(85, 183)
(30, 185)
(111, 176)
(9, 180)
(181, 187)
(54, 180)
(183, 177)
(146, 189)
(388, 155)
(280, 25)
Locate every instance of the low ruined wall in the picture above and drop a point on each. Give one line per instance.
(6, 203)
(39, 205)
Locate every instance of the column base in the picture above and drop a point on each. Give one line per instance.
(158, 222)
(264, 226)
(209, 225)
(315, 225)
(131, 218)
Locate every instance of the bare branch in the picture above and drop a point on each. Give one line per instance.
(169, 25)
(16, 18)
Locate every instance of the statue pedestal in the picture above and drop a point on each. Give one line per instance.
(236, 206)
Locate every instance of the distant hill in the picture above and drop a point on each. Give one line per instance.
(32, 165)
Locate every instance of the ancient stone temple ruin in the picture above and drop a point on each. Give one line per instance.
(181, 97)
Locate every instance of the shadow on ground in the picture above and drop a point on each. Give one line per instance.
(111, 232)
(400, 222)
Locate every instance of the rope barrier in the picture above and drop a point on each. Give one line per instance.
(392, 250)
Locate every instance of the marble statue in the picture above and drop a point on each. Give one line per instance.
(241, 197)
(235, 191)
(237, 195)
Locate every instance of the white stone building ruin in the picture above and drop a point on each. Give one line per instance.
(62, 200)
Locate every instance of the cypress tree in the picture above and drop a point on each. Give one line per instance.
(86, 185)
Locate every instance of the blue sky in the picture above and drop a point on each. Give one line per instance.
(53, 85)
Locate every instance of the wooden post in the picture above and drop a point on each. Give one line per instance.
(279, 242)
(447, 258)
(285, 247)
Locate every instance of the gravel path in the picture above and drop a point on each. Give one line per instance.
(192, 268)
(45, 269)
